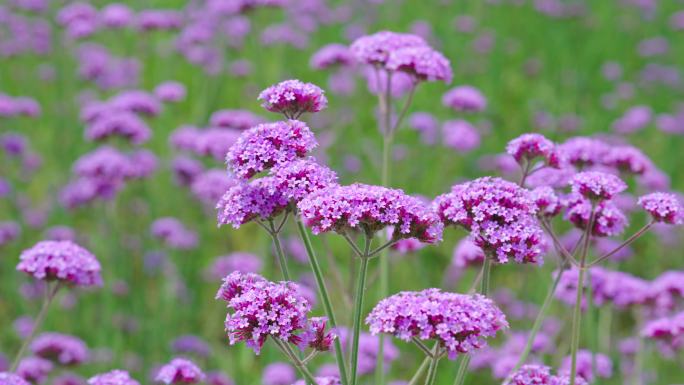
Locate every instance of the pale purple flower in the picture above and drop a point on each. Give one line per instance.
(667, 329)
(465, 98)
(293, 98)
(170, 92)
(69, 379)
(210, 185)
(191, 344)
(114, 377)
(299, 178)
(460, 323)
(322, 381)
(582, 151)
(530, 147)
(180, 371)
(236, 119)
(608, 219)
(331, 55)
(667, 290)
(532, 375)
(159, 19)
(268, 145)
(278, 373)
(61, 348)
(634, 119)
(426, 125)
(34, 369)
(421, 62)
(467, 253)
(628, 159)
(369, 208)
(653, 47)
(547, 201)
(585, 358)
(12, 379)
(186, 170)
(63, 261)
(376, 48)
(237, 261)
(9, 231)
(137, 101)
(663, 207)
(247, 201)
(173, 233)
(116, 15)
(376, 79)
(460, 135)
(218, 378)
(596, 185)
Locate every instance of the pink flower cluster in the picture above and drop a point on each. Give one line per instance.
(663, 207)
(460, 323)
(180, 371)
(608, 218)
(529, 147)
(369, 208)
(539, 375)
(173, 233)
(292, 98)
(63, 261)
(597, 186)
(299, 178)
(115, 377)
(61, 348)
(244, 202)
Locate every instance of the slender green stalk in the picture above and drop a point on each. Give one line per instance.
(299, 364)
(539, 320)
(592, 330)
(577, 314)
(358, 310)
(50, 293)
(325, 298)
(275, 235)
(419, 373)
(462, 370)
(432, 370)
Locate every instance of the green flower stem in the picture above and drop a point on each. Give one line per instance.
(432, 370)
(323, 292)
(358, 310)
(282, 261)
(462, 370)
(419, 373)
(299, 364)
(50, 293)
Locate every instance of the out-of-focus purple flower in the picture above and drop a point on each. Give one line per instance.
(293, 98)
(170, 92)
(268, 145)
(180, 371)
(173, 233)
(331, 55)
(547, 201)
(137, 101)
(376, 79)
(633, 120)
(69, 379)
(467, 253)
(14, 145)
(159, 19)
(186, 170)
(628, 159)
(666, 329)
(597, 186)
(191, 344)
(284, 33)
(582, 151)
(611, 70)
(218, 378)
(585, 359)
(375, 49)
(608, 219)
(369, 208)
(115, 377)
(663, 207)
(237, 261)
(426, 124)
(63, 261)
(322, 381)
(236, 119)
(421, 62)
(653, 47)
(116, 15)
(60, 233)
(465, 98)
(210, 185)
(460, 323)
(369, 348)
(529, 147)
(61, 348)
(9, 231)
(460, 135)
(278, 373)
(34, 369)
(246, 201)
(606, 245)
(12, 379)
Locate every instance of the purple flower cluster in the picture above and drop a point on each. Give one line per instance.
(620, 289)
(331, 55)
(465, 99)
(247, 201)
(585, 362)
(529, 147)
(467, 253)
(663, 207)
(278, 373)
(267, 145)
(292, 98)
(180, 371)
(608, 219)
(369, 208)
(235, 119)
(173, 233)
(63, 261)
(547, 201)
(61, 348)
(500, 216)
(213, 142)
(170, 92)
(18, 106)
(328, 380)
(597, 186)
(375, 49)
(237, 261)
(539, 375)
(299, 178)
(12, 379)
(191, 344)
(34, 369)
(669, 330)
(460, 323)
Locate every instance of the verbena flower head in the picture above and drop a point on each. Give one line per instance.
(585, 360)
(530, 147)
(467, 253)
(667, 290)
(421, 62)
(299, 178)
(262, 309)
(191, 344)
(174, 233)
(62, 261)
(628, 159)
(376, 48)
(12, 379)
(547, 201)
(669, 330)
(596, 185)
(34, 369)
(180, 371)
(370, 208)
(532, 375)
(460, 323)
(331, 55)
(61, 348)
(465, 99)
(663, 207)
(608, 219)
(236, 119)
(583, 151)
(267, 145)
(317, 336)
(500, 216)
(170, 92)
(278, 373)
(248, 201)
(293, 98)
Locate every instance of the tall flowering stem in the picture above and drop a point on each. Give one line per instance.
(274, 232)
(298, 363)
(50, 293)
(358, 308)
(325, 297)
(577, 315)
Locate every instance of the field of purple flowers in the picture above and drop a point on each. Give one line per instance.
(280, 192)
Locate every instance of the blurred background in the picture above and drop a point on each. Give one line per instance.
(611, 69)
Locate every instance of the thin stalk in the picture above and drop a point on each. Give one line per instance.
(275, 235)
(49, 296)
(358, 309)
(432, 370)
(422, 346)
(577, 314)
(325, 298)
(540, 319)
(462, 370)
(591, 326)
(486, 274)
(301, 366)
(624, 244)
(419, 373)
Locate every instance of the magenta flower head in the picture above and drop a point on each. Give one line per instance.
(262, 309)
(465, 99)
(292, 98)
(12, 379)
(170, 92)
(460, 323)
(62, 261)
(375, 49)
(34, 369)
(299, 178)
(422, 63)
(500, 216)
(663, 207)
(247, 201)
(317, 336)
(669, 330)
(539, 375)
(628, 159)
(596, 185)
(582, 151)
(530, 147)
(547, 201)
(370, 208)
(331, 55)
(608, 219)
(61, 348)
(460, 135)
(115, 377)
(180, 371)
(267, 145)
